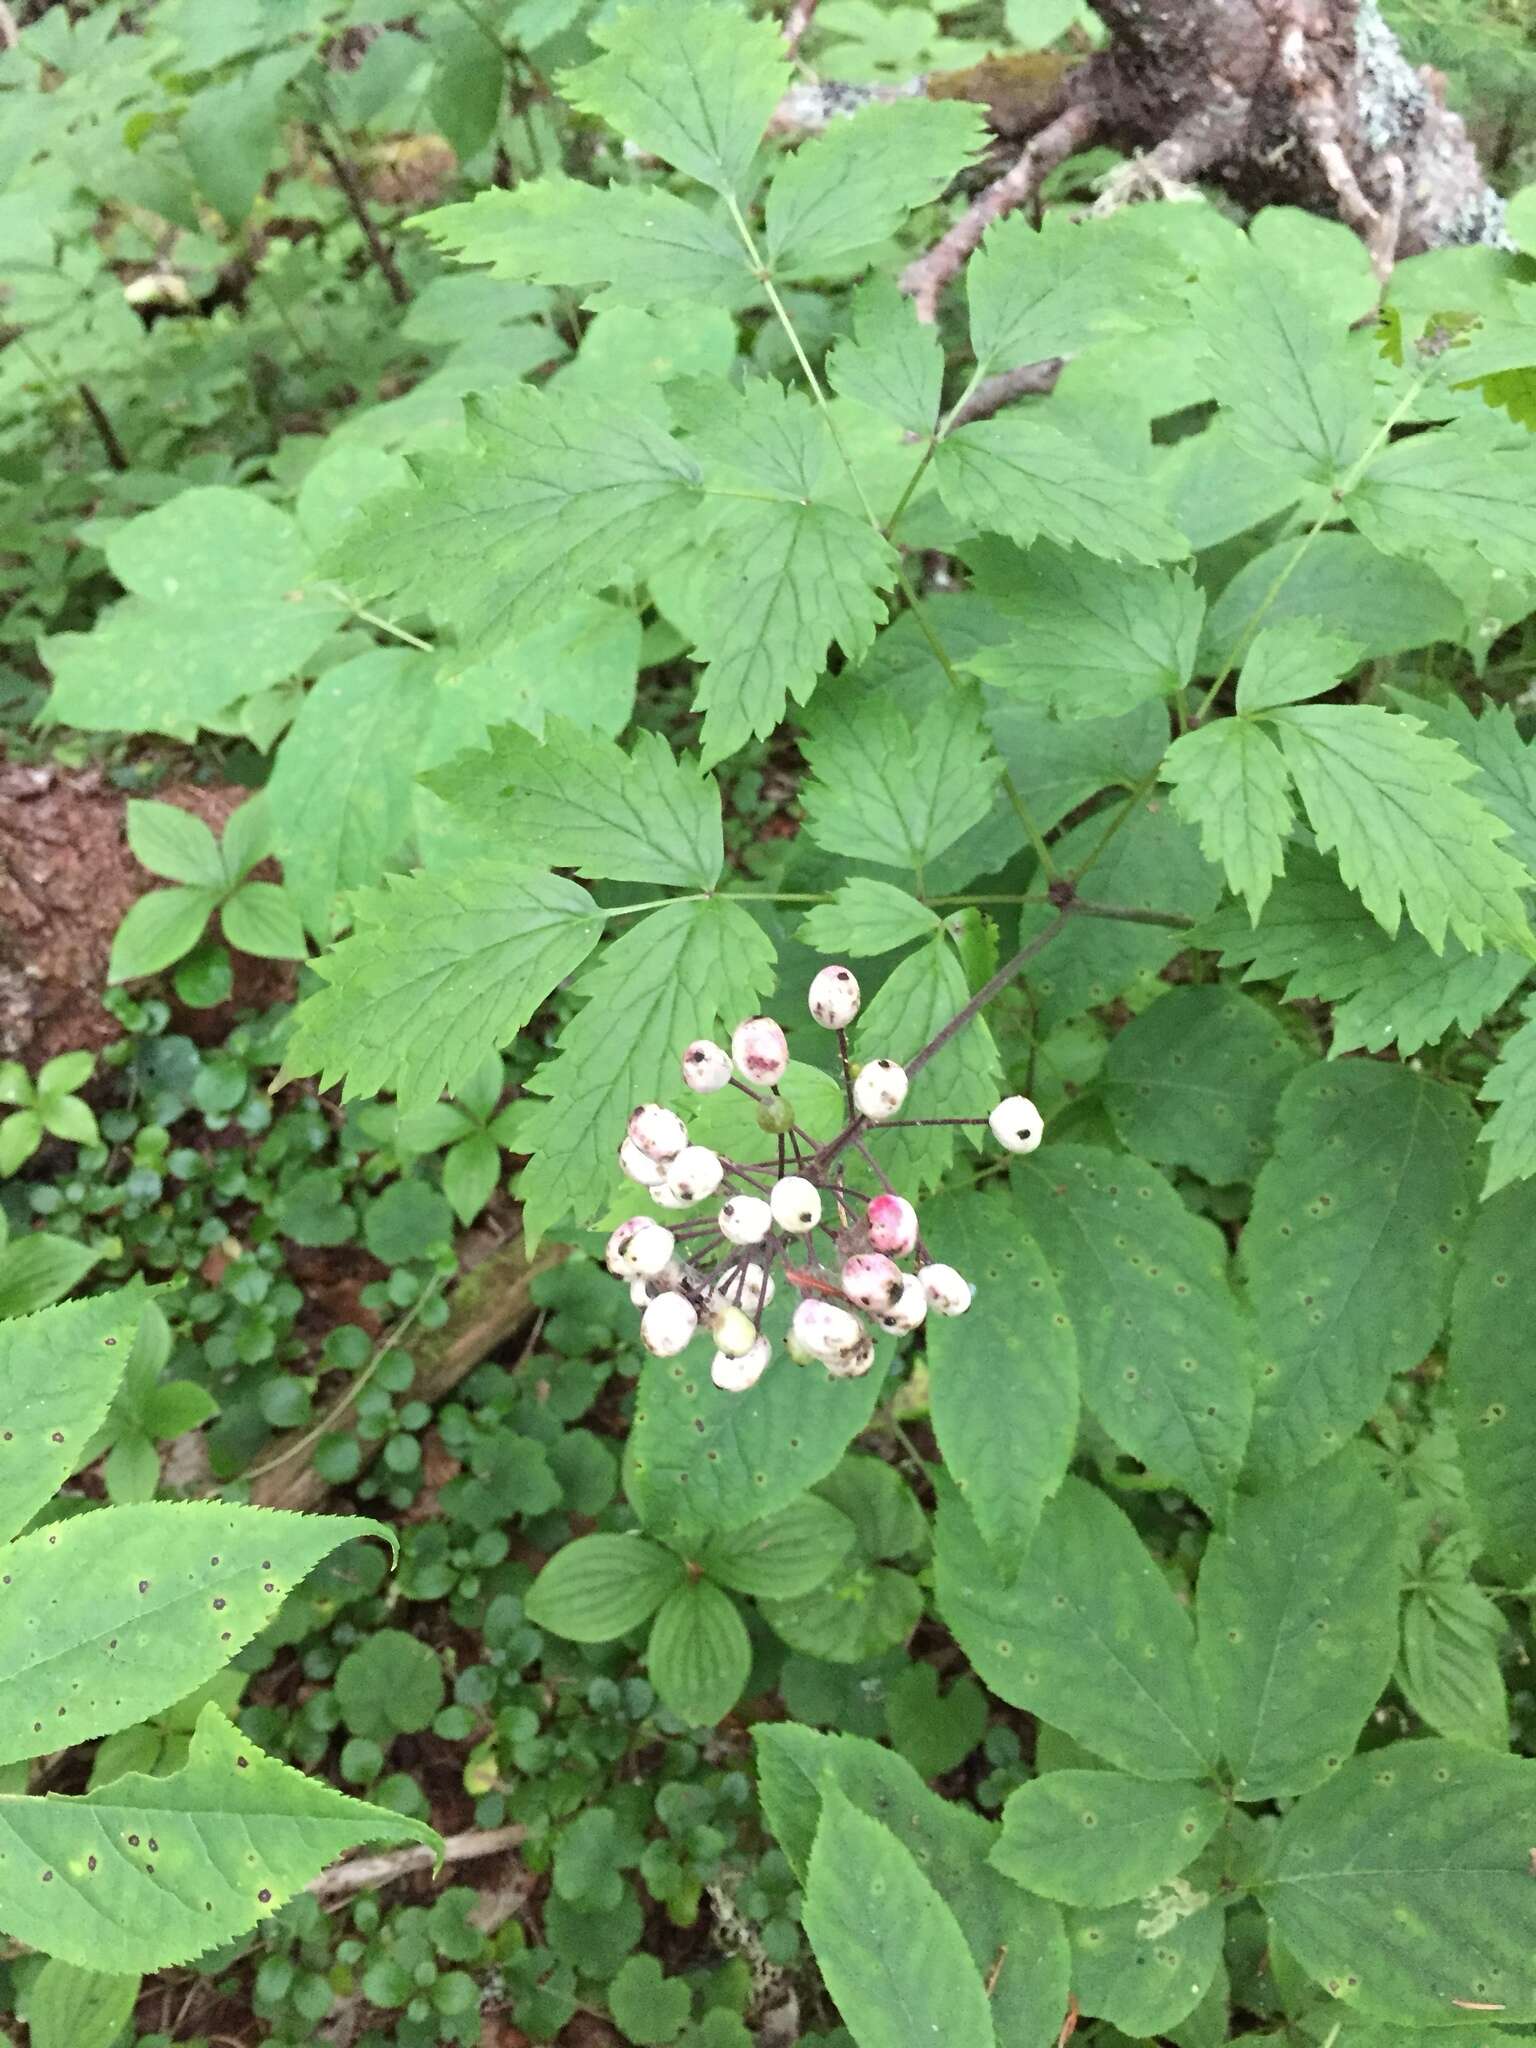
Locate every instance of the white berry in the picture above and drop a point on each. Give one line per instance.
(659, 1132)
(907, 1312)
(618, 1255)
(760, 1050)
(695, 1173)
(736, 1375)
(852, 1364)
(665, 1196)
(880, 1090)
(640, 1166)
(948, 1292)
(640, 1292)
(892, 1223)
(650, 1250)
(795, 1204)
(706, 1066)
(746, 1219)
(873, 1281)
(668, 1324)
(824, 1329)
(834, 998)
(1016, 1124)
(733, 1330)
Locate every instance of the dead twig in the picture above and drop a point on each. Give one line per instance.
(796, 22)
(363, 1871)
(346, 177)
(1025, 380)
(117, 454)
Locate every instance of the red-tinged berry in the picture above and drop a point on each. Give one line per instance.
(826, 1330)
(618, 1255)
(872, 1281)
(760, 1050)
(659, 1132)
(892, 1224)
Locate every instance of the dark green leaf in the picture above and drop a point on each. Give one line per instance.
(699, 1653)
(1097, 1838)
(602, 1586)
(1493, 1394)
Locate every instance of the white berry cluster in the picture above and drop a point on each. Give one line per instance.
(839, 1249)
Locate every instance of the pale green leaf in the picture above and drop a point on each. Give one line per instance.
(582, 667)
(1510, 1084)
(1096, 639)
(1291, 661)
(699, 1654)
(688, 81)
(260, 918)
(1004, 1375)
(1345, 586)
(1384, 795)
(1493, 1392)
(1056, 767)
(1089, 1637)
(1349, 1250)
(858, 1616)
(1164, 1356)
(892, 363)
(158, 930)
(882, 790)
(1298, 1624)
(1404, 1886)
(600, 1587)
(1194, 1080)
(678, 974)
(339, 795)
(38, 1269)
(1023, 478)
(441, 969)
(144, 1604)
(1468, 482)
(173, 843)
(917, 998)
(856, 182)
(1046, 291)
(60, 1369)
(69, 2007)
(1146, 1965)
(1506, 763)
(149, 1872)
(866, 918)
(891, 1951)
(783, 1555)
(1098, 1838)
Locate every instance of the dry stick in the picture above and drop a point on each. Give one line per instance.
(346, 177)
(1071, 131)
(117, 454)
(796, 22)
(1027, 380)
(370, 1870)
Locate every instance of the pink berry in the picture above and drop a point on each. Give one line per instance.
(872, 1281)
(659, 1132)
(760, 1050)
(706, 1066)
(892, 1225)
(834, 998)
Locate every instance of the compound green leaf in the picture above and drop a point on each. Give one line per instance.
(1146, 1965)
(1089, 1637)
(881, 789)
(916, 999)
(1510, 1083)
(59, 1369)
(1099, 1838)
(1468, 482)
(600, 1587)
(1349, 1250)
(1024, 479)
(783, 1556)
(1046, 291)
(442, 968)
(107, 1618)
(675, 975)
(891, 1951)
(865, 918)
(855, 183)
(1292, 661)
(1194, 1080)
(260, 919)
(893, 364)
(1404, 1885)
(1004, 1375)
(1298, 1624)
(149, 1872)
(687, 81)
(1453, 1635)
(1493, 1395)
(1384, 795)
(1096, 639)
(158, 930)
(1343, 584)
(1164, 1355)
(699, 1654)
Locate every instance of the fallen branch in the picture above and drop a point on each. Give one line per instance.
(363, 1871)
(1027, 380)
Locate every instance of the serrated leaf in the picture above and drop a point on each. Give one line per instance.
(600, 1587)
(1467, 482)
(856, 182)
(643, 245)
(891, 1951)
(339, 795)
(1452, 1634)
(1404, 1886)
(784, 1555)
(917, 998)
(556, 497)
(892, 363)
(668, 978)
(1383, 794)
(1510, 1083)
(38, 1269)
(1046, 291)
(1194, 1080)
(173, 843)
(699, 1654)
(143, 1605)
(1292, 661)
(1344, 585)
(157, 1870)
(1025, 479)
(1164, 1356)
(1099, 1838)
(1493, 1395)
(866, 918)
(1146, 1965)
(687, 81)
(1089, 1637)
(1370, 1175)
(882, 790)
(1298, 1624)
(1097, 639)
(60, 1369)
(442, 968)
(1004, 1376)
(577, 800)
